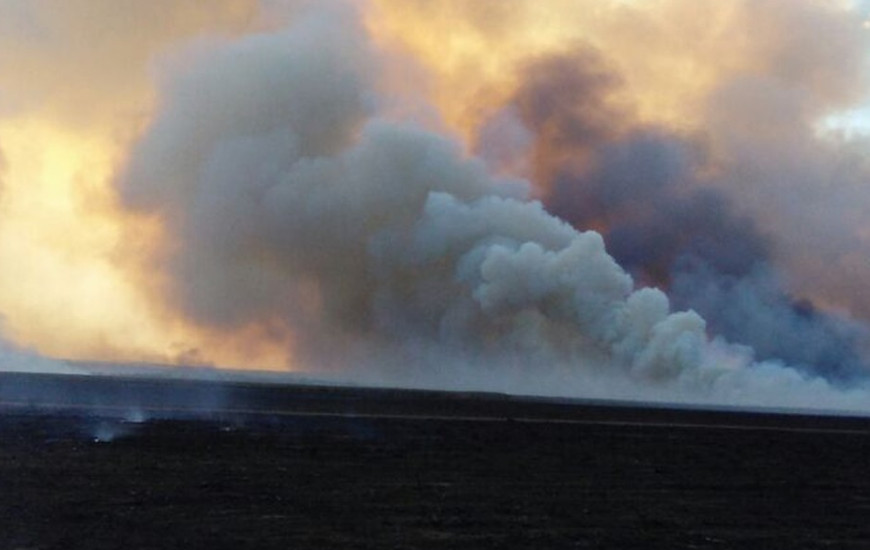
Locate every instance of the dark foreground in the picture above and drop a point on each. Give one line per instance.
(515, 474)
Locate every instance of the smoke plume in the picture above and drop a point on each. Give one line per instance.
(610, 199)
(372, 242)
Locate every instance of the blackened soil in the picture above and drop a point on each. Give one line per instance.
(75, 481)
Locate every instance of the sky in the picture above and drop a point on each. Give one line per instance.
(660, 199)
(853, 122)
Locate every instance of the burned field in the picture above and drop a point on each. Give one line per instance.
(350, 468)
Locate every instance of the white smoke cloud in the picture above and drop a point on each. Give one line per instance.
(380, 249)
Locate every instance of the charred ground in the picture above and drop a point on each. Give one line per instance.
(444, 471)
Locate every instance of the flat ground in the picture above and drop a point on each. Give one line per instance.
(584, 478)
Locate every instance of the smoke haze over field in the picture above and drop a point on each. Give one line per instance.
(449, 194)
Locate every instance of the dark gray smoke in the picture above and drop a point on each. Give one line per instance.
(753, 309)
(672, 226)
(642, 190)
(673, 232)
(567, 108)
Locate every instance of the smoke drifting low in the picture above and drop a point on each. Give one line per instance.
(380, 249)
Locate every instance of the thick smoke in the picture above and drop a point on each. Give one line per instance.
(290, 201)
(287, 198)
(664, 207)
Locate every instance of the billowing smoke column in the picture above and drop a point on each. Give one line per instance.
(380, 246)
(290, 201)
